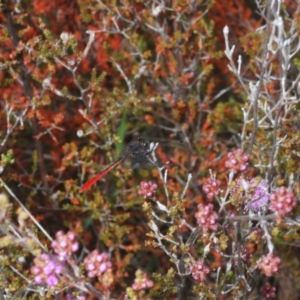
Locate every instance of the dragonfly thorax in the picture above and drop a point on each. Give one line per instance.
(136, 153)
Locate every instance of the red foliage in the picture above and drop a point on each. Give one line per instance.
(75, 75)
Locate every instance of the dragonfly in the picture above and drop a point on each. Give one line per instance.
(136, 154)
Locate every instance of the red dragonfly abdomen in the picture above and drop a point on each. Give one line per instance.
(89, 183)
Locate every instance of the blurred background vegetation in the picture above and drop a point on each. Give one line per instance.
(79, 79)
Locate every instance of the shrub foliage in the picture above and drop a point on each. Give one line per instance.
(217, 218)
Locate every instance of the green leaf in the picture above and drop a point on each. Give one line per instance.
(87, 222)
(121, 133)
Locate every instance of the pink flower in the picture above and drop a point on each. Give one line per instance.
(260, 198)
(199, 270)
(69, 297)
(65, 244)
(46, 269)
(147, 189)
(237, 161)
(207, 217)
(254, 193)
(269, 265)
(268, 291)
(141, 281)
(96, 264)
(211, 188)
(244, 255)
(283, 201)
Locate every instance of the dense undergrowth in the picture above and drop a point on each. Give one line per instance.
(80, 79)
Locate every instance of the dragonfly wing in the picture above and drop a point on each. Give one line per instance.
(137, 162)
